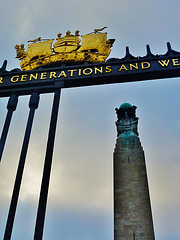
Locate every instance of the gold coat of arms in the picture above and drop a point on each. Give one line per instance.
(95, 48)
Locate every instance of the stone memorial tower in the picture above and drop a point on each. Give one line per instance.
(132, 208)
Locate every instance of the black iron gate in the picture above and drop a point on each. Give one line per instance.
(45, 80)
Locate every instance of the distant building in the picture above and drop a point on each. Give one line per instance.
(132, 208)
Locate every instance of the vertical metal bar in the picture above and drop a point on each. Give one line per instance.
(33, 104)
(134, 236)
(11, 107)
(47, 169)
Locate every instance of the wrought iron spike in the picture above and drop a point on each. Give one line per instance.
(149, 53)
(170, 51)
(169, 47)
(128, 55)
(127, 51)
(4, 65)
(3, 68)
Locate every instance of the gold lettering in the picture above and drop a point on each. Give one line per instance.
(72, 72)
(145, 65)
(98, 70)
(33, 76)
(24, 78)
(175, 62)
(43, 76)
(108, 69)
(62, 73)
(164, 63)
(1, 79)
(52, 75)
(80, 70)
(89, 71)
(15, 78)
(123, 67)
(133, 66)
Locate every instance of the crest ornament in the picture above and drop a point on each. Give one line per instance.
(95, 48)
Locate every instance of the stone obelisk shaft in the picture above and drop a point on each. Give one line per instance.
(132, 209)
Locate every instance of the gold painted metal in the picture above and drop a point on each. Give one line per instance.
(95, 48)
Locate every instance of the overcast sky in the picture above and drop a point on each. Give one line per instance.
(80, 204)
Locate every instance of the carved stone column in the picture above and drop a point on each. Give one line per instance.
(132, 209)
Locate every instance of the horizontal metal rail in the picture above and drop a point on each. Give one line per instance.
(127, 69)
